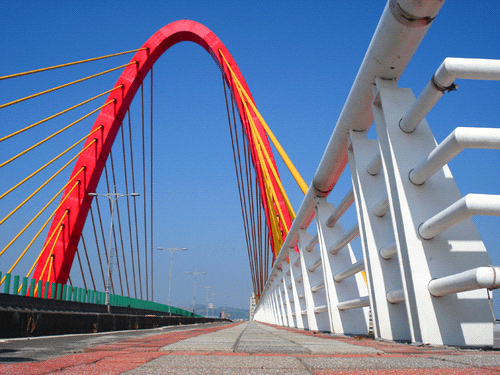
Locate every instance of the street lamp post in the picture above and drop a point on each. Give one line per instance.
(172, 251)
(195, 274)
(207, 288)
(113, 197)
(213, 298)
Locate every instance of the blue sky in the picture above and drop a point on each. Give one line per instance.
(299, 60)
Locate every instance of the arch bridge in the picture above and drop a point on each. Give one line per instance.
(424, 275)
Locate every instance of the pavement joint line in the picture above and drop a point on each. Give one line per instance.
(238, 339)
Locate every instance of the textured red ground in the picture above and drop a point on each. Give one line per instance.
(128, 354)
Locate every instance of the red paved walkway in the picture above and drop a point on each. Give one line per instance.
(143, 356)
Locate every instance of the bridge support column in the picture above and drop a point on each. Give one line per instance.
(390, 321)
(456, 319)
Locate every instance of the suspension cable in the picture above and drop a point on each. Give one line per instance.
(88, 262)
(56, 133)
(267, 179)
(250, 239)
(238, 174)
(43, 226)
(97, 245)
(70, 64)
(120, 234)
(46, 182)
(59, 113)
(113, 239)
(50, 162)
(135, 205)
(144, 196)
(50, 256)
(48, 241)
(81, 269)
(298, 178)
(65, 85)
(104, 241)
(151, 188)
(128, 208)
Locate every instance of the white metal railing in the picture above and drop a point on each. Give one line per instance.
(419, 246)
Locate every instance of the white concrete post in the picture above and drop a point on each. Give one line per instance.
(314, 322)
(297, 304)
(353, 321)
(455, 319)
(390, 321)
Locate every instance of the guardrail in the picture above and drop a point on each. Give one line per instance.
(426, 266)
(36, 288)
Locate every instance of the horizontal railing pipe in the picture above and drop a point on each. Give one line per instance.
(321, 309)
(387, 252)
(341, 208)
(461, 210)
(314, 266)
(395, 296)
(313, 243)
(354, 303)
(375, 165)
(442, 81)
(458, 140)
(351, 270)
(348, 238)
(382, 207)
(477, 278)
(317, 287)
(399, 32)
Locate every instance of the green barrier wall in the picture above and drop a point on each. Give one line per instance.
(32, 288)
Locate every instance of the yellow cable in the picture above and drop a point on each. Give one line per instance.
(58, 114)
(56, 133)
(46, 222)
(44, 225)
(295, 173)
(60, 221)
(69, 64)
(267, 179)
(260, 145)
(65, 85)
(45, 183)
(48, 163)
(50, 255)
(260, 148)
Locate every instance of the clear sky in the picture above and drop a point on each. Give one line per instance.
(299, 59)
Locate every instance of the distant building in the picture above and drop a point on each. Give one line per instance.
(252, 305)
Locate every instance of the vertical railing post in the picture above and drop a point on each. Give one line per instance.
(315, 322)
(390, 320)
(298, 304)
(456, 250)
(279, 294)
(353, 321)
(291, 321)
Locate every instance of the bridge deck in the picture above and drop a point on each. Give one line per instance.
(248, 347)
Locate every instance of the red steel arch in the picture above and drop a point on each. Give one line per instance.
(72, 213)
